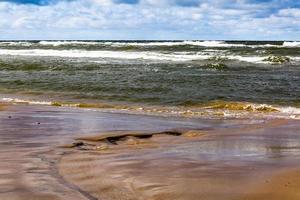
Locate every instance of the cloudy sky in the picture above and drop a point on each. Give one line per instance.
(150, 19)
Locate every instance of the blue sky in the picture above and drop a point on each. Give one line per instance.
(150, 19)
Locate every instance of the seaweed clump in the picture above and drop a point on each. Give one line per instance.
(277, 59)
(56, 104)
(218, 66)
(217, 62)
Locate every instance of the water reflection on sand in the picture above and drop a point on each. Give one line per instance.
(216, 165)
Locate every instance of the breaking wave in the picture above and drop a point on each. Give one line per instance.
(291, 44)
(212, 44)
(135, 55)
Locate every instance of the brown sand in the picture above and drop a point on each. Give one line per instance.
(282, 185)
(28, 157)
(169, 159)
(148, 172)
(2, 106)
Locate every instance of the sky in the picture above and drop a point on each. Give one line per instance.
(150, 19)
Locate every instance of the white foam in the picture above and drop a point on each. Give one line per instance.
(104, 54)
(188, 42)
(135, 55)
(291, 44)
(177, 43)
(144, 43)
(290, 110)
(59, 43)
(211, 43)
(250, 59)
(157, 43)
(16, 43)
(296, 58)
(16, 100)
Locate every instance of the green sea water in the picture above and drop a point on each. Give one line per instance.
(168, 73)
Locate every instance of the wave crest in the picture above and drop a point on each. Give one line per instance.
(203, 43)
(240, 106)
(136, 55)
(291, 44)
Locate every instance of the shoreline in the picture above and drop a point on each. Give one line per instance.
(215, 109)
(215, 163)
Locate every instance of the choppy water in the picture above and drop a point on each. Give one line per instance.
(160, 73)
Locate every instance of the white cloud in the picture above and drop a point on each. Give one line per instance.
(150, 19)
(291, 12)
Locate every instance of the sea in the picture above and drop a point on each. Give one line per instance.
(210, 79)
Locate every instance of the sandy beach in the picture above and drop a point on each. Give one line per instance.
(69, 153)
(149, 100)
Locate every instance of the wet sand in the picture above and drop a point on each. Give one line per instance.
(65, 153)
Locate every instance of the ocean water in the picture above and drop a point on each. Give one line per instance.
(158, 76)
